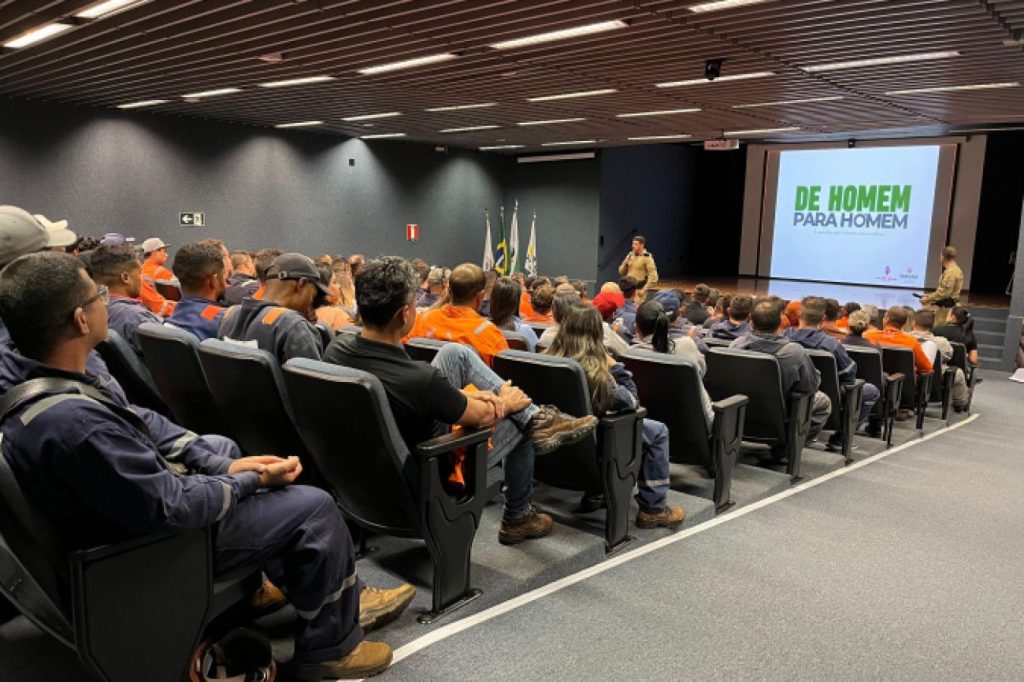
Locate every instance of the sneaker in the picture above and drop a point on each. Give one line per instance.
(904, 415)
(551, 428)
(267, 599)
(668, 517)
(368, 658)
(534, 525)
(379, 607)
(591, 502)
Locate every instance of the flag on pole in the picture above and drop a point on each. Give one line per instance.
(513, 240)
(501, 252)
(530, 264)
(488, 251)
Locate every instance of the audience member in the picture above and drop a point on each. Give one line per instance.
(696, 311)
(155, 252)
(101, 471)
(225, 255)
(119, 270)
(924, 323)
(844, 320)
(200, 269)
(355, 263)
(738, 323)
(652, 334)
(608, 303)
(961, 330)
(581, 288)
(422, 269)
(424, 398)
(858, 323)
(243, 280)
(830, 323)
(504, 310)
(791, 315)
(278, 323)
(437, 286)
(329, 310)
(485, 306)
(262, 261)
(612, 390)
(721, 313)
(460, 322)
(628, 286)
(874, 316)
(59, 237)
(892, 334)
(540, 304)
(810, 335)
(797, 369)
(563, 303)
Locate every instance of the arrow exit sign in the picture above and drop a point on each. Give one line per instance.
(191, 219)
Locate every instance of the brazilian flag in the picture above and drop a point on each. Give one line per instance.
(501, 262)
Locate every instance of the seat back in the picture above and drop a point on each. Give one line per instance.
(669, 387)
(900, 359)
(423, 349)
(350, 329)
(248, 389)
(516, 341)
(172, 357)
(959, 356)
(126, 366)
(326, 334)
(718, 343)
(825, 363)
(557, 381)
(539, 327)
(365, 467)
(758, 376)
(168, 290)
(938, 386)
(869, 364)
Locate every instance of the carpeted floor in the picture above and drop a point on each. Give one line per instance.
(876, 573)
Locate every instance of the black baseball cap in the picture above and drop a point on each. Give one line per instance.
(296, 266)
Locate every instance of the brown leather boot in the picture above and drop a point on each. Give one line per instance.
(368, 658)
(551, 429)
(534, 525)
(379, 607)
(669, 517)
(267, 599)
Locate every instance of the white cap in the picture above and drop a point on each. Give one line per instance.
(58, 232)
(20, 233)
(152, 244)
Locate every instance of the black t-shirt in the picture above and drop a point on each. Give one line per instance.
(695, 312)
(423, 401)
(957, 333)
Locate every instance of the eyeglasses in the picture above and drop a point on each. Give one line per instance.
(102, 295)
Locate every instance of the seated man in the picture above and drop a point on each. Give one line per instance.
(830, 323)
(262, 261)
(559, 309)
(460, 322)
(279, 323)
(696, 311)
(118, 269)
(738, 322)
(798, 371)
(924, 323)
(541, 300)
(892, 334)
(424, 398)
(810, 335)
(200, 269)
(243, 282)
(678, 326)
(608, 305)
(155, 253)
(628, 286)
(104, 471)
(858, 322)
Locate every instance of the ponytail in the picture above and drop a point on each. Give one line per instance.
(659, 339)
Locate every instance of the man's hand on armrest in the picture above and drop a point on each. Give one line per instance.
(481, 410)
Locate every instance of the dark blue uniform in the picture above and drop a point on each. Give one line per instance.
(198, 315)
(240, 287)
(280, 331)
(124, 315)
(100, 481)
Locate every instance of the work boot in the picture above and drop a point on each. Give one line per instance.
(551, 428)
(379, 607)
(267, 599)
(591, 502)
(534, 525)
(368, 658)
(667, 517)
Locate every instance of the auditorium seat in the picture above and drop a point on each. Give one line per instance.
(916, 385)
(350, 329)
(516, 341)
(379, 484)
(942, 383)
(169, 290)
(421, 348)
(960, 360)
(325, 332)
(172, 357)
(717, 343)
(539, 327)
(845, 399)
(772, 418)
(669, 387)
(133, 376)
(134, 610)
(870, 369)
(608, 461)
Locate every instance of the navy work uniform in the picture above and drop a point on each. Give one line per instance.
(124, 315)
(280, 331)
(198, 315)
(93, 470)
(240, 287)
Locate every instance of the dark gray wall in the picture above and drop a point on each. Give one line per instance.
(133, 173)
(565, 196)
(646, 190)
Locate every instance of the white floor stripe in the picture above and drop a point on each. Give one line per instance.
(524, 599)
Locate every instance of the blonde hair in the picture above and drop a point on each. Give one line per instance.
(581, 337)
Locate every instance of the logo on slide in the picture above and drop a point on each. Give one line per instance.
(887, 277)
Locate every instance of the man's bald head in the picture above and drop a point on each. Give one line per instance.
(465, 283)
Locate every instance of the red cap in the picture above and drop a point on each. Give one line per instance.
(608, 302)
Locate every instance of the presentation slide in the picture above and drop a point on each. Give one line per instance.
(862, 216)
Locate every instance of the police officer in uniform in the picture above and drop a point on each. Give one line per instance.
(947, 296)
(200, 269)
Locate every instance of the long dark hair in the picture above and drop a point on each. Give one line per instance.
(651, 320)
(505, 298)
(581, 337)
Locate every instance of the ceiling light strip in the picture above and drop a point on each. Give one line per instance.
(462, 107)
(954, 88)
(760, 131)
(467, 129)
(37, 35)
(497, 147)
(381, 136)
(643, 138)
(567, 142)
(211, 93)
(102, 9)
(371, 117)
(662, 112)
(882, 61)
(718, 5)
(297, 81)
(551, 121)
(573, 95)
(562, 34)
(407, 63)
(720, 79)
(784, 102)
(143, 103)
(299, 124)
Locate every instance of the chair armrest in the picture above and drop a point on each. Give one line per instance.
(609, 421)
(451, 441)
(730, 404)
(894, 377)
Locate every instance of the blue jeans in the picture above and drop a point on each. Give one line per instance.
(511, 440)
(652, 488)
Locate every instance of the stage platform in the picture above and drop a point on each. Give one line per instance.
(882, 297)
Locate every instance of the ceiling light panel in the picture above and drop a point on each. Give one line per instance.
(563, 34)
(102, 9)
(211, 93)
(785, 102)
(642, 138)
(551, 121)
(954, 88)
(567, 142)
(720, 79)
(37, 35)
(661, 112)
(143, 103)
(300, 124)
(372, 117)
(760, 131)
(467, 129)
(381, 136)
(297, 81)
(462, 107)
(719, 5)
(882, 61)
(573, 95)
(407, 63)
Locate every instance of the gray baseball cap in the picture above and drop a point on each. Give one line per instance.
(296, 266)
(20, 233)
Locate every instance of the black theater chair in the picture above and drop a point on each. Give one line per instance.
(608, 461)
(169, 290)
(248, 389)
(424, 349)
(126, 366)
(135, 610)
(916, 385)
(172, 356)
(845, 399)
(350, 329)
(539, 327)
(380, 485)
(669, 387)
(869, 368)
(960, 360)
(772, 418)
(516, 341)
(326, 334)
(942, 383)
(717, 343)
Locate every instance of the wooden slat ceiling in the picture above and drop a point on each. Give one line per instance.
(166, 48)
